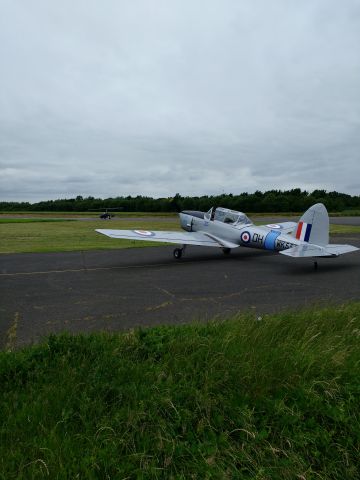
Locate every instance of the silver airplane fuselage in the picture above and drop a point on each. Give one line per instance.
(276, 237)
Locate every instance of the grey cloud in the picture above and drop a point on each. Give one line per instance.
(160, 97)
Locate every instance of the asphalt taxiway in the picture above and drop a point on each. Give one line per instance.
(121, 289)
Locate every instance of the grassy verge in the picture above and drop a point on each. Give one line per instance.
(346, 213)
(344, 229)
(250, 398)
(88, 214)
(35, 220)
(72, 236)
(343, 213)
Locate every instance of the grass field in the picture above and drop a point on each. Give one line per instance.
(28, 235)
(35, 214)
(35, 220)
(250, 398)
(72, 236)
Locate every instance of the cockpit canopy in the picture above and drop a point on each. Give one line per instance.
(225, 215)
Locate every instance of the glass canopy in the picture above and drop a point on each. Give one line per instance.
(225, 215)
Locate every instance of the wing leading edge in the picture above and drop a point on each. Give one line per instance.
(184, 238)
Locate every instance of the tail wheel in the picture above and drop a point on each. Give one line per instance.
(178, 253)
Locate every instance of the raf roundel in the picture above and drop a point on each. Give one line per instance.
(144, 233)
(245, 237)
(273, 225)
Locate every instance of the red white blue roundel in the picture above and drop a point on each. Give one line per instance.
(144, 233)
(273, 225)
(245, 237)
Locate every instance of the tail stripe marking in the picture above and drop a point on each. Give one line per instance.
(298, 231)
(307, 233)
(303, 231)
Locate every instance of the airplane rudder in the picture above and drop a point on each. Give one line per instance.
(313, 226)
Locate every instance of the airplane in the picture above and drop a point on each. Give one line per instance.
(106, 215)
(228, 229)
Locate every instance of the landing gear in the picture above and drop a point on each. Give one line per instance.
(179, 252)
(315, 265)
(226, 251)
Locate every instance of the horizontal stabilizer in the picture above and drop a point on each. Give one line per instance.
(309, 250)
(301, 251)
(340, 249)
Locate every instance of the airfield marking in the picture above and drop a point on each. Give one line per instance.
(157, 307)
(94, 269)
(165, 291)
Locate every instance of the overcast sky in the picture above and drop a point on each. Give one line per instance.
(151, 97)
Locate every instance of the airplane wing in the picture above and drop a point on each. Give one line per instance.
(184, 238)
(283, 227)
(309, 250)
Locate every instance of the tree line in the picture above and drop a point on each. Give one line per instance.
(295, 200)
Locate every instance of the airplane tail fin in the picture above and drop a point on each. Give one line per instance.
(313, 230)
(313, 226)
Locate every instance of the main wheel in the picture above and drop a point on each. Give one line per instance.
(178, 253)
(226, 251)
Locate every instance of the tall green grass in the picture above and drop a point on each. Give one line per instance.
(250, 398)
